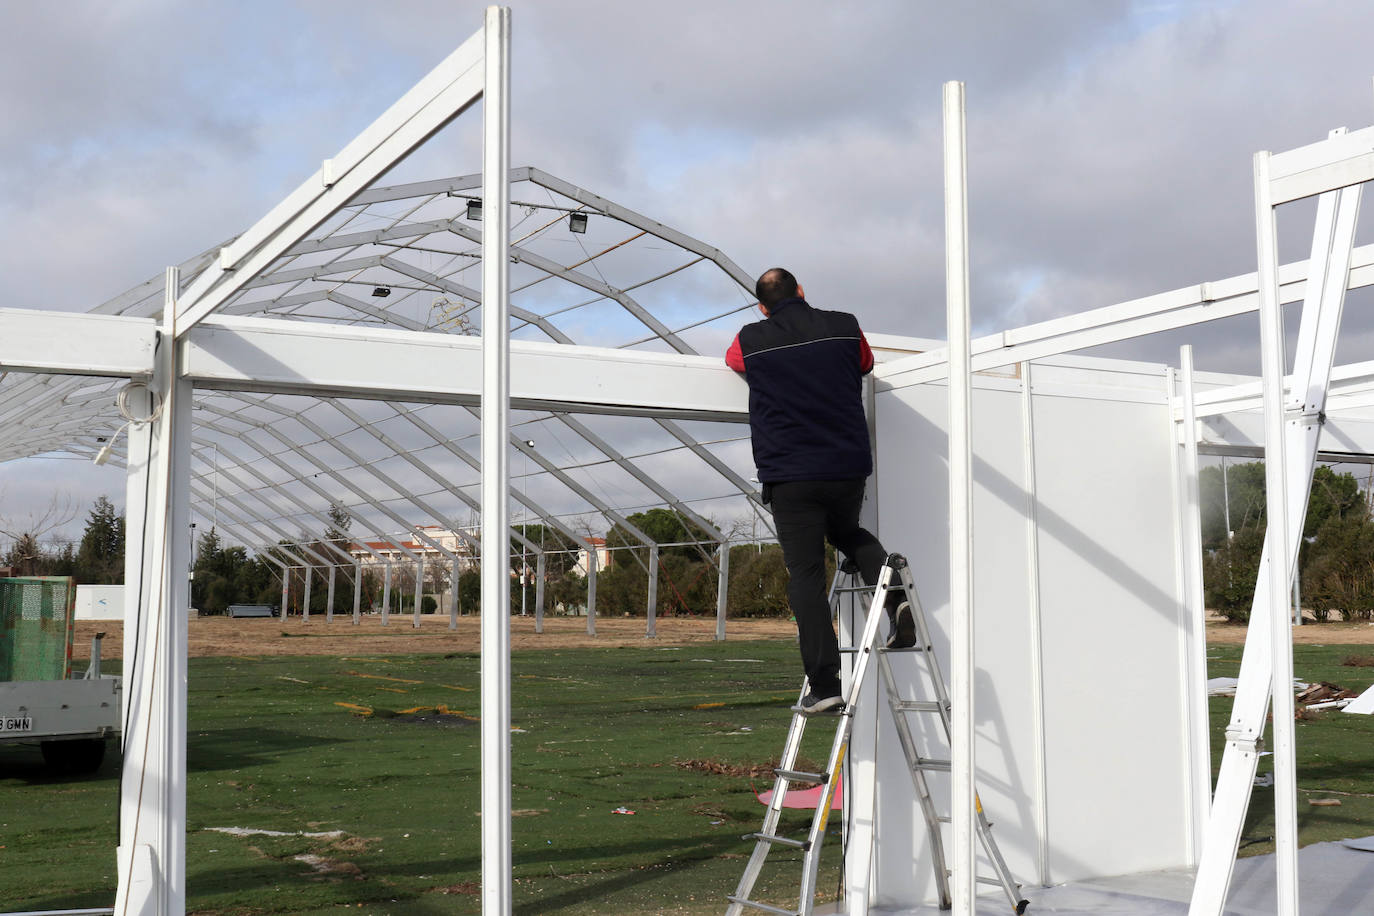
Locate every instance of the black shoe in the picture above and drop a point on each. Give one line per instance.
(903, 628)
(812, 705)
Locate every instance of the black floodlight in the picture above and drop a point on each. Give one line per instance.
(381, 292)
(577, 222)
(475, 209)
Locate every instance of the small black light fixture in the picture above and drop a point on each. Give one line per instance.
(475, 209)
(381, 292)
(577, 222)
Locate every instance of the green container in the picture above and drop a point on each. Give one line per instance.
(36, 628)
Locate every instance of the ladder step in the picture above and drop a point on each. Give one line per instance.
(802, 776)
(938, 765)
(779, 840)
(905, 649)
(920, 705)
(761, 906)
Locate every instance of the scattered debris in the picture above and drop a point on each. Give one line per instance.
(753, 771)
(254, 831)
(623, 810)
(1358, 661)
(1222, 686)
(1324, 802)
(1323, 692)
(1265, 781)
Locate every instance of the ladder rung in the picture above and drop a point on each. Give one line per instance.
(944, 818)
(919, 705)
(761, 906)
(802, 776)
(941, 765)
(780, 840)
(984, 879)
(853, 588)
(905, 649)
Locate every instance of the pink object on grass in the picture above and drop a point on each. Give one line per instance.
(807, 798)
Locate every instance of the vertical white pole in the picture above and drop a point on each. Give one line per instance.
(419, 589)
(591, 589)
(962, 884)
(285, 589)
(541, 569)
(496, 763)
(386, 595)
(1037, 648)
(357, 594)
(1195, 658)
(152, 852)
(652, 629)
(329, 596)
(722, 588)
(1276, 491)
(453, 597)
(305, 601)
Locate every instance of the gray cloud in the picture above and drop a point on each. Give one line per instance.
(1109, 142)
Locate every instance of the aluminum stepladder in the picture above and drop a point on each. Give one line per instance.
(894, 576)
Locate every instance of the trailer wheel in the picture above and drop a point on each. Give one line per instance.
(76, 756)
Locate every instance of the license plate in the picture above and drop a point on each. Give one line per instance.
(16, 724)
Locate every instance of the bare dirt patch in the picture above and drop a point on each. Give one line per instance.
(1221, 633)
(223, 636)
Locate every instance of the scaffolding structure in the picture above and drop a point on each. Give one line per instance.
(331, 358)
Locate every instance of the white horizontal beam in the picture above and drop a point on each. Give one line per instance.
(1336, 162)
(1167, 311)
(264, 355)
(75, 344)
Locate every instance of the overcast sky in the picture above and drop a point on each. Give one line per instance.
(1109, 142)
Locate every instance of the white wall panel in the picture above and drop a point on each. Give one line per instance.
(1114, 742)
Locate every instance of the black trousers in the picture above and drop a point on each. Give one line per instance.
(807, 514)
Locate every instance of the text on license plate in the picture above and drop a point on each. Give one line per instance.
(16, 724)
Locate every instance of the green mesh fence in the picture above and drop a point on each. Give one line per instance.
(36, 627)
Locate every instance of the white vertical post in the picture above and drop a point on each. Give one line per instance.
(650, 629)
(962, 884)
(495, 640)
(1195, 635)
(1276, 491)
(454, 575)
(541, 569)
(285, 589)
(357, 593)
(722, 588)
(591, 589)
(1040, 789)
(151, 858)
(386, 595)
(329, 596)
(305, 600)
(419, 588)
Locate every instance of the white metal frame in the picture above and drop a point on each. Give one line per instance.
(186, 346)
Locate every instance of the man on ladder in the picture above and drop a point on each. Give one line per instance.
(805, 369)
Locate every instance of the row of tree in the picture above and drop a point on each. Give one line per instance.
(96, 559)
(1335, 561)
(222, 575)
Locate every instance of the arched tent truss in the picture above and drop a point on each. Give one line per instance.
(268, 465)
(331, 357)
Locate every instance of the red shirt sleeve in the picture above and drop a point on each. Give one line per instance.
(865, 355)
(734, 357)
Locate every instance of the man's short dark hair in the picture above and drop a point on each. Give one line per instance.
(774, 286)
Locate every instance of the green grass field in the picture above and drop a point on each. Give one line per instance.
(385, 750)
(285, 744)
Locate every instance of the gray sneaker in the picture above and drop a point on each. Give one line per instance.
(812, 705)
(903, 628)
